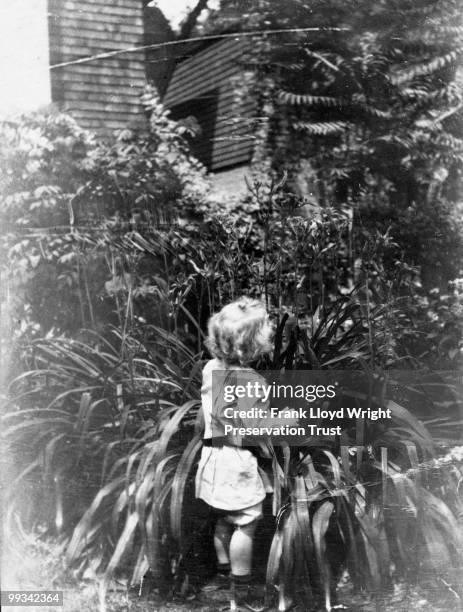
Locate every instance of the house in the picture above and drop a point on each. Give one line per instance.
(203, 87)
(102, 53)
(89, 58)
(103, 94)
(98, 60)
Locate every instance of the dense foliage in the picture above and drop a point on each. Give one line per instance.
(68, 200)
(362, 105)
(114, 258)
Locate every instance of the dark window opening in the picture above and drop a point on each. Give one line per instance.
(200, 116)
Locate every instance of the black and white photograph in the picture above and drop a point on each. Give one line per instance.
(231, 297)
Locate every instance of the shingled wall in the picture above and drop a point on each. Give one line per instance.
(203, 86)
(103, 94)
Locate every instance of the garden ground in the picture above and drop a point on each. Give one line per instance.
(37, 564)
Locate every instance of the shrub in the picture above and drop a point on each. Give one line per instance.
(69, 201)
(113, 411)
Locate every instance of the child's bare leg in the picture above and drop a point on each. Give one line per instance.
(241, 590)
(241, 549)
(222, 536)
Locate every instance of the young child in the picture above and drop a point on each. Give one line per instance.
(228, 477)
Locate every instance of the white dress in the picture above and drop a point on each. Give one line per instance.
(228, 476)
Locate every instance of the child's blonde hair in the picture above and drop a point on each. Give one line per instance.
(240, 332)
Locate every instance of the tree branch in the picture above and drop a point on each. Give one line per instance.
(189, 23)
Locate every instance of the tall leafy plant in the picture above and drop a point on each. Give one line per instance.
(118, 405)
(69, 199)
(362, 106)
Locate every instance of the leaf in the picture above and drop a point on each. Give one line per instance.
(274, 560)
(308, 100)
(81, 535)
(178, 490)
(320, 524)
(123, 545)
(426, 68)
(322, 128)
(172, 426)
